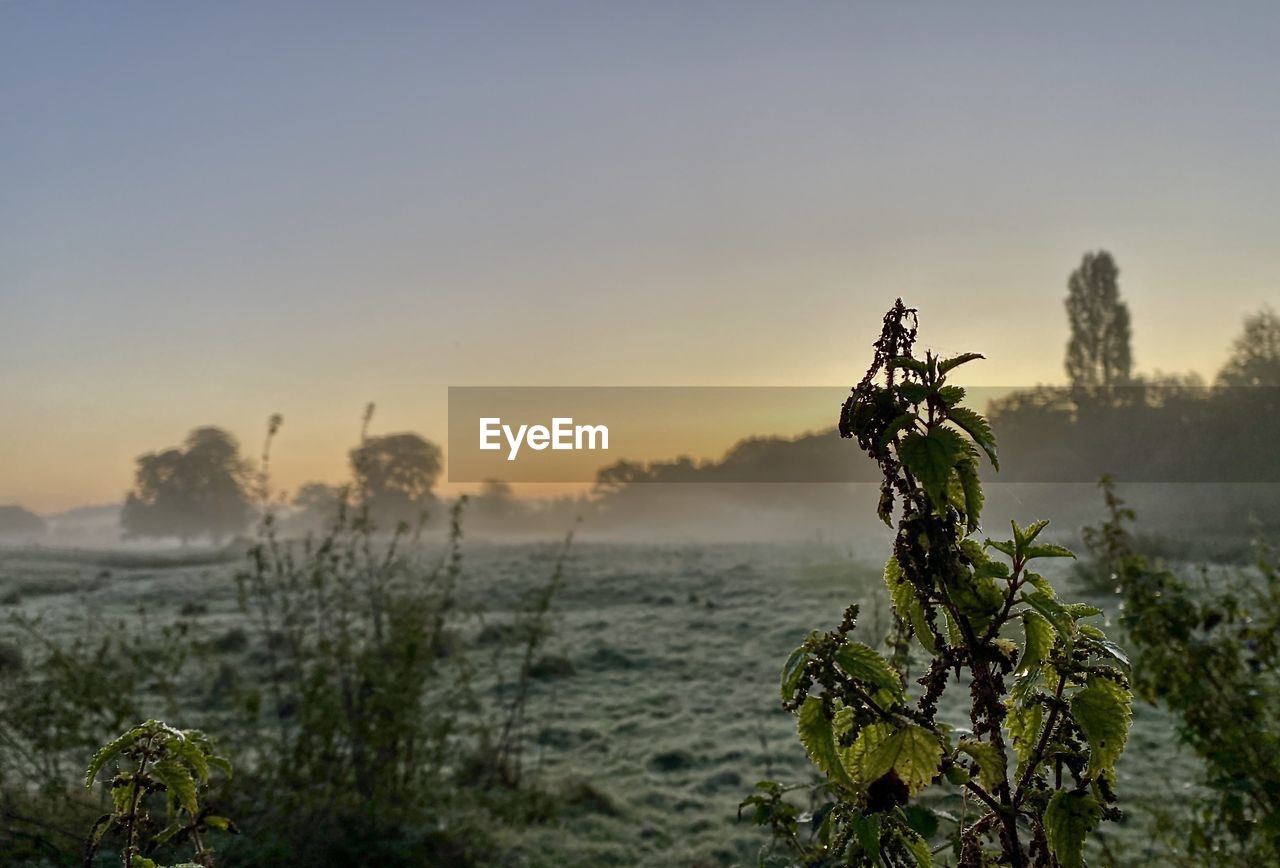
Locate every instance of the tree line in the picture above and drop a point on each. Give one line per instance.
(1145, 428)
(1106, 418)
(206, 488)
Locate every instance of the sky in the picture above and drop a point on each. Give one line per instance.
(213, 212)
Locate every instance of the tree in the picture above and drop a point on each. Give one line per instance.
(1098, 353)
(316, 506)
(394, 475)
(496, 504)
(1255, 354)
(196, 489)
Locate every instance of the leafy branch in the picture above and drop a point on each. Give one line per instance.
(155, 758)
(1059, 701)
(1210, 656)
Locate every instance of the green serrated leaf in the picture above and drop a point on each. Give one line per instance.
(1081, 610)
(976, 427)
(1041, 584)
(991, 570)
(930, 458)
(192, 754)
(918, 848)
(869, 738)
(1114, 651)
(1047, 550)
(793, 671)
(122, 796)
(99, 829)
(906, 420)
(113, 749)
(954, 636)
(841, 726)
(910, 364)
(864, 663)
(903, 596)
(915, 393)
(1103, 710)
(168, 832)
(912, 752)
(179, 782)
(1024, 727)
(990, 760)
(1037, 640)
(921, 820)
(956, 361)
(1026, 684)
(866, 828)
(1068, 820)
(1054, 611)
(819, 741)
(971, 488)
(1005, 547)
(979, 601)
(951, 395)
(1025, 535)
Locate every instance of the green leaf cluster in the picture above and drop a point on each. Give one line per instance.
(1208, 653)
(1049, 694)
(155, 759)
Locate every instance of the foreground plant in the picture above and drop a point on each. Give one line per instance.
(1049, 701)
(377, 741)
(1210, 655)
(154, 759)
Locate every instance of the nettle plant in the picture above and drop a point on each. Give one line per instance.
(156, 762)
(1049, 701)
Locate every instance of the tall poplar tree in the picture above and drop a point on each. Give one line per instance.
(1098, 353)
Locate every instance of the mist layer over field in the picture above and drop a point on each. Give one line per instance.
(654, 706)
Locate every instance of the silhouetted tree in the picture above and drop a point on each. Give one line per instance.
(394, 474)
(315, 506)
(619, 475)
(1098, 354)
(1255, 354)
(196, 489)
(496, 507)
(496, 497)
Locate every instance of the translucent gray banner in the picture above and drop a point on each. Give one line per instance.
(619, 435)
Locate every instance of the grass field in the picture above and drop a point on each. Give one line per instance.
(656, 703)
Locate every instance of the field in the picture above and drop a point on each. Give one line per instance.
(657, 699)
